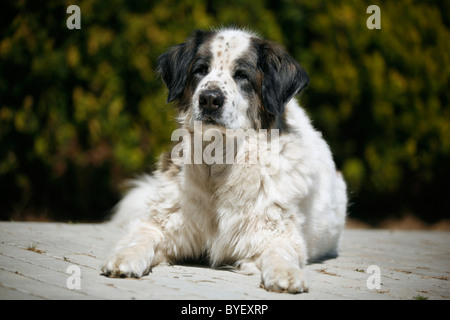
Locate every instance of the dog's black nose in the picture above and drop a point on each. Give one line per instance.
(211, 100)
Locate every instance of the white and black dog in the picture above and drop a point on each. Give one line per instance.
(238, 214)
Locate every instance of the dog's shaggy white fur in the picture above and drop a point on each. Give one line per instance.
(236, 214)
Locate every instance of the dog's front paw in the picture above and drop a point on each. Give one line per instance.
(284, 279)
(129, 262)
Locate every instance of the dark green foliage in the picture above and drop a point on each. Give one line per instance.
(82, 110)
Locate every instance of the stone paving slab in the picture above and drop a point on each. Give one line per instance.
(35, 259)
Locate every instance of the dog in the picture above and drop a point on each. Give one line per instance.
(271, 216)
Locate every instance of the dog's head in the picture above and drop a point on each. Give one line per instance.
(232, 79)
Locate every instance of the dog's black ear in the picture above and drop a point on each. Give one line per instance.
(283, 77)
(173, 66)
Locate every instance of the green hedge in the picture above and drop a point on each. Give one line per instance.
(81, 110)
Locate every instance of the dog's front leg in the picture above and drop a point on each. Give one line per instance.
(134, 255)
(281, 266)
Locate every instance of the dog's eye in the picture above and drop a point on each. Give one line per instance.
(240, 75)
(201, 70)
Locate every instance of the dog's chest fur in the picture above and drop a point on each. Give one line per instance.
(227, 205)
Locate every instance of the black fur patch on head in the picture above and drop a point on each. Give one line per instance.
(174, 65)
(283, 77)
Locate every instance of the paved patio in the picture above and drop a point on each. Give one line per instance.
(62, 261)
